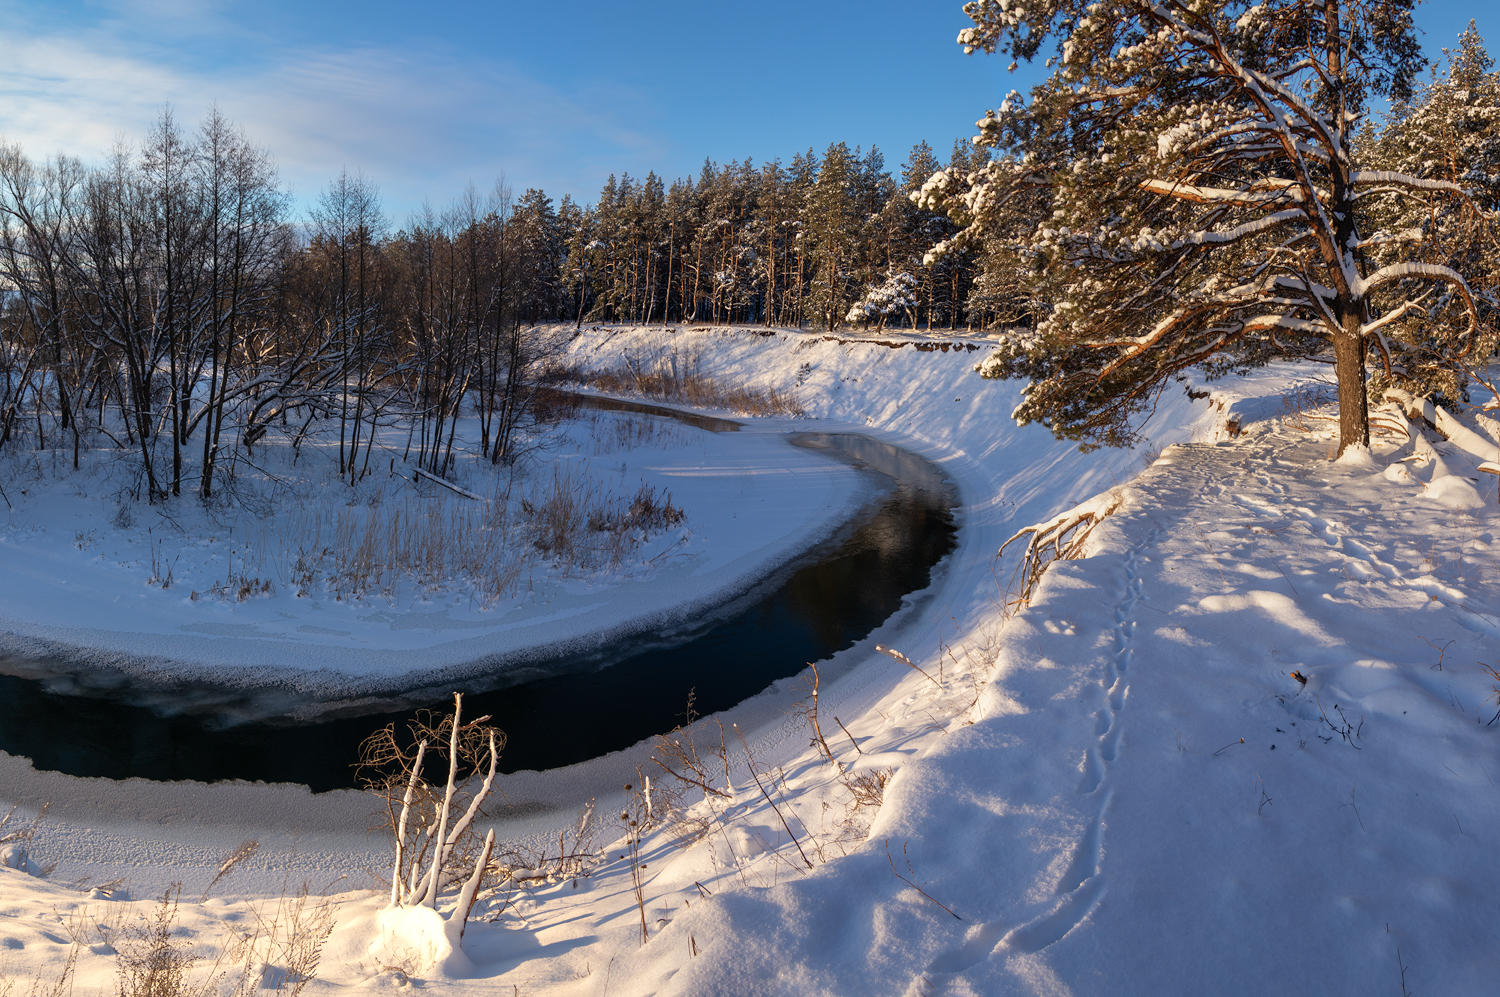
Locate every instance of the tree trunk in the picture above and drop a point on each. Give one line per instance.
(1349, 359)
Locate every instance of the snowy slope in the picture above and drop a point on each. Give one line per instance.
(1105, 830)
(1069, 807)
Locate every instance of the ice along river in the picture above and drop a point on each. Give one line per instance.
(555, 713)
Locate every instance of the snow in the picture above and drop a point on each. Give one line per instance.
(78, 585)
(1124, 787)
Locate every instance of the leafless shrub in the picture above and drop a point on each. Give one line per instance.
(868, 788)
(688, 769)
(153, 958)
(432, 823)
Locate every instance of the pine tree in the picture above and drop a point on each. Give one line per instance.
(1205, 187)
(1449, 132)
(829, 225)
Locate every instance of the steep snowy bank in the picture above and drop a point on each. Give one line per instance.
(1152, 801)
(999, 816)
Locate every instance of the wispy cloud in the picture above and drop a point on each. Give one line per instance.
(421, 120)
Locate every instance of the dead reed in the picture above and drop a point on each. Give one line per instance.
(663, 379)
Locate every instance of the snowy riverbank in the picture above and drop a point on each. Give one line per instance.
(79, 588)
(1055, 781)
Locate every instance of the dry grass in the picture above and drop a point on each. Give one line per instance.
(578, 523)
(350, 552)
(868, 788)
(277, 951)
(1299, 405)
(664, 379)
(567, 518)
(612, 432)
(15, 843)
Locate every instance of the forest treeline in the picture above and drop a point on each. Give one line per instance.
(168, 300)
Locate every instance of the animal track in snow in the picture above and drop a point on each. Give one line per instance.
(1081, 887)
(1085, 864)
(1093, 772)
(1038, 934)
(1082, 883)
(1319, 526)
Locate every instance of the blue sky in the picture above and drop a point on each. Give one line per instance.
(424, 98)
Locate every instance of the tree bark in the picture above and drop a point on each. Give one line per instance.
(1349, 359)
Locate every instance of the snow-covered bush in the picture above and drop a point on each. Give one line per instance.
(896, 294)
(440, 860)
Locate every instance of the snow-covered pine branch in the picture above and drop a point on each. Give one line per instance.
(1209, 201)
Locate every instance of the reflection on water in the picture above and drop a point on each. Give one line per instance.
(584, 708)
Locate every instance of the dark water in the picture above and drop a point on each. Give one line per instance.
(604, 702)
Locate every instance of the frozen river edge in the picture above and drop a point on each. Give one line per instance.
(269, 649)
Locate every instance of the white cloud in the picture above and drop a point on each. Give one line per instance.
(419, 121)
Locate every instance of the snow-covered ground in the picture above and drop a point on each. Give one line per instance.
(84, 579)
(1082, 798)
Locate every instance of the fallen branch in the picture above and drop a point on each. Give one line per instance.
(1063, 536)
(447, 484)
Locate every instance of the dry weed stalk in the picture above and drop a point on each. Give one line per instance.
(809, 708)
(153, 960)
(243, 853)
(660, 379)
(857, 749)
(750, 764)
(678, 755)
(891, 652)
(279, 954)
(522, 869)
(636, 819)
(15, 842)
(1494, 674)
(909, 882)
